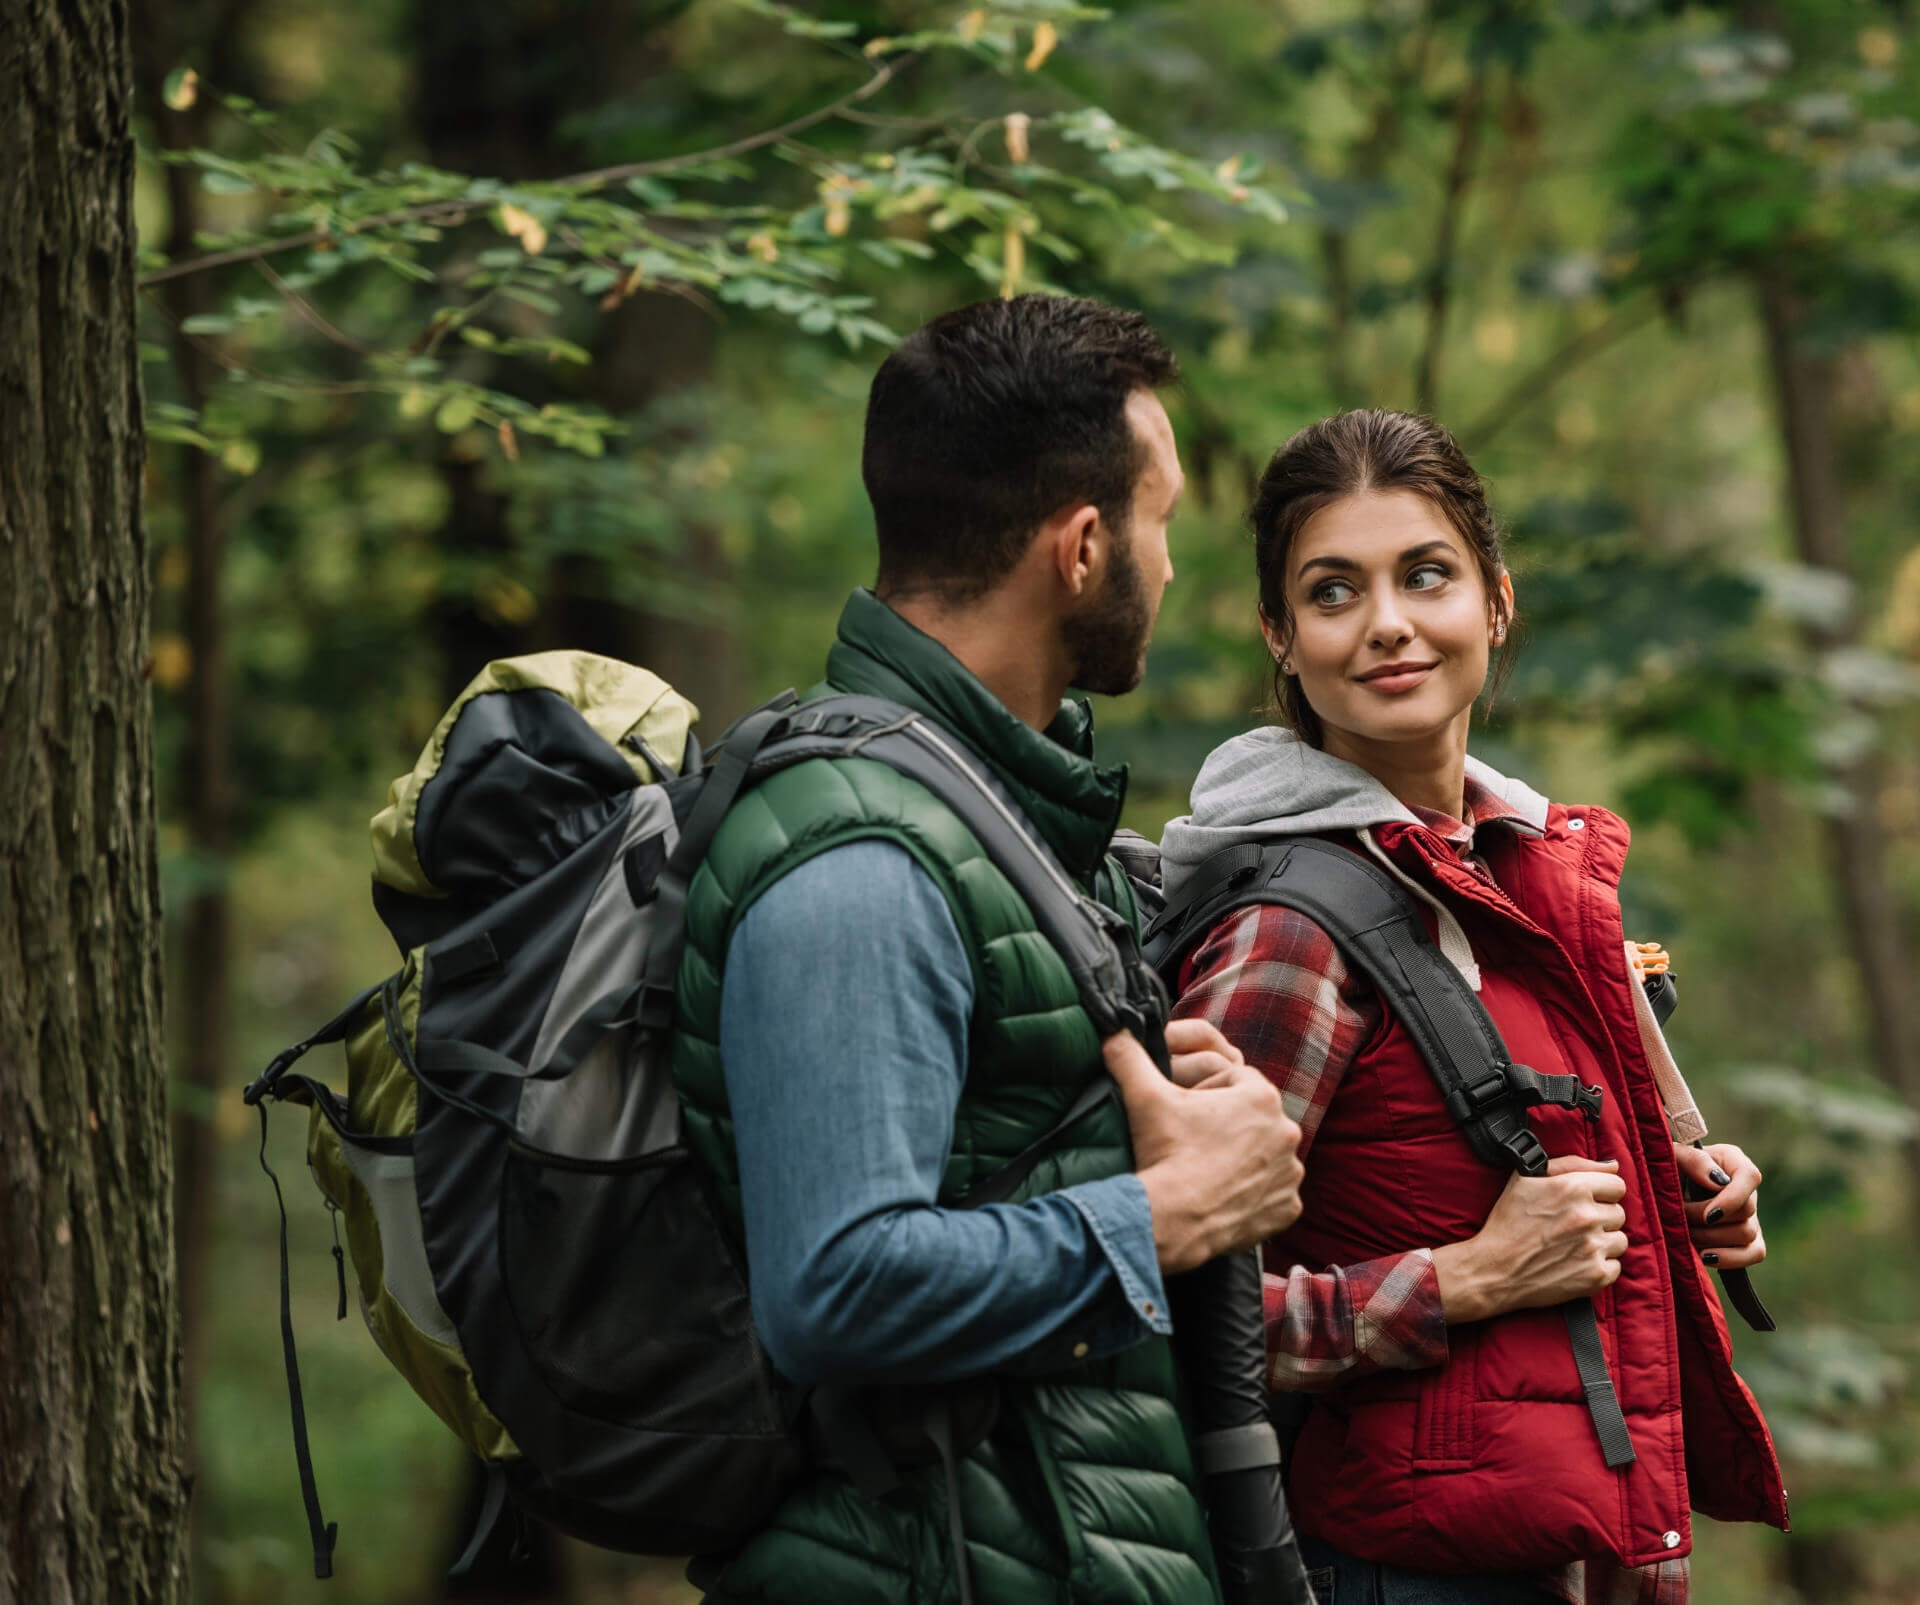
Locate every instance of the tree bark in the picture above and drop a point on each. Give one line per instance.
(1803, 375)
(92, 1494)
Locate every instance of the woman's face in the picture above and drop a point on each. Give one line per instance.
(1392, 623)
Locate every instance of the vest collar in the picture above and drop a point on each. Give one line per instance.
(1074, 803)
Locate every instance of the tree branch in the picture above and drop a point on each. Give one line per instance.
(1541, 379)
(455, 211)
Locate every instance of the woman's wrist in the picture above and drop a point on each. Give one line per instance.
(1468, 1289)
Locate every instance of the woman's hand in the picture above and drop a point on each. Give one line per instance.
(1725, 1227)
(1549, 1239)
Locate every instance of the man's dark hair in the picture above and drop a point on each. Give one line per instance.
(988, 420)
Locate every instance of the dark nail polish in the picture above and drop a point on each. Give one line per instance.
(1714, 1215)
(1711, 1259)
(1718, 1177)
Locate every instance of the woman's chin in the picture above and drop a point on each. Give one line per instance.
(1407, 723)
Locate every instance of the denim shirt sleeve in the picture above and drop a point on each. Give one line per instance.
(843, 1033)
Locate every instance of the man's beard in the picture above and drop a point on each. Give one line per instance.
(1106, 639)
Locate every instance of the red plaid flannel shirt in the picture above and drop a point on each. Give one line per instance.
(1278, 989)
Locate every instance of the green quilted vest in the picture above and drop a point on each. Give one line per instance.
(1085, 1490)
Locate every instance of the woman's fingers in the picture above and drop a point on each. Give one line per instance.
(1742, 1236)
(1724, 1171)
(1737, 1259)
(1710, 1213)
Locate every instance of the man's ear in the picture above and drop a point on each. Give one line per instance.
(1077, 543)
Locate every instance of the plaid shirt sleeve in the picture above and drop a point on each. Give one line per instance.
(1276, 987)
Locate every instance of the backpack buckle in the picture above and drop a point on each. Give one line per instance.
(1524, 1152)
(1469, 1103)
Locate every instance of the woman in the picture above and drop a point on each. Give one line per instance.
(1449, 1453)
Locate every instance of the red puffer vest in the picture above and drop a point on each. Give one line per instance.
(1490, 1462)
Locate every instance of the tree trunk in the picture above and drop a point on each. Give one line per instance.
(1803, 379)
(164, 33)
(92, 1495)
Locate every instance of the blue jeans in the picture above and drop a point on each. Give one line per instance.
(1342, 1580)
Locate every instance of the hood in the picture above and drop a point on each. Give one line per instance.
(1269, 783)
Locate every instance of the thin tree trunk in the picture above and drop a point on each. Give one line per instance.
(163, 35)
(1803, 380)
(1446, 243)
(92, 1494)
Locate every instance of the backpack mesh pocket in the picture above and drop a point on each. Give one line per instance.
(627, 1296)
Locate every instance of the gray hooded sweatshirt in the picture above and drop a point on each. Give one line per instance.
(1269, 783)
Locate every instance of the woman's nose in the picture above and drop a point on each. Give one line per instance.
(1388, 626)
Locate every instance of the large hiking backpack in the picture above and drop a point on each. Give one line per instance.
(534, 1249)
(1379, 931)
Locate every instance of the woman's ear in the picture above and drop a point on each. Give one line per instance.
(1500, 608)
(1277, 642)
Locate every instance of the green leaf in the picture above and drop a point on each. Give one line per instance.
(207, 323)
(218, 183)
(455, 413)
(530, 298)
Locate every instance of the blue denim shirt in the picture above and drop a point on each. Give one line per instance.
(843, 1033)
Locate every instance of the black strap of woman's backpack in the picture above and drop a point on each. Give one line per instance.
(1378, 928)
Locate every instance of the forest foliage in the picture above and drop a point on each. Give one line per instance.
(541, 323)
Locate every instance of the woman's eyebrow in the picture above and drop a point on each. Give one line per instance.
(1346, 565)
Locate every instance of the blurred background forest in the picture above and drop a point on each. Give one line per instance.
(476, 329)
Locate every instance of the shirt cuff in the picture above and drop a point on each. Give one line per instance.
(1121, 1220)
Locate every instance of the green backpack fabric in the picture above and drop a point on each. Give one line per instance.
(537, 1245)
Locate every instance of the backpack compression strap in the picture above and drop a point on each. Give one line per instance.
(1380, 932)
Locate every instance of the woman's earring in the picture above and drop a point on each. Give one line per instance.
(1287, 667)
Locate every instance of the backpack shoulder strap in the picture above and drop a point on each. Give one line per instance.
(1379, 931)
(1119, 990)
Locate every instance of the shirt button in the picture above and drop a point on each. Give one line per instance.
(1082, 1350)
(1147, 1308)
(1581, 824)
(1671, 1540)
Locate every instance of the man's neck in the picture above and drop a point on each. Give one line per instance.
(1430, 772)
(1014, 654)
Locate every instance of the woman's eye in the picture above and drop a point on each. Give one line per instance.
(1332, 593)
(1426, 578)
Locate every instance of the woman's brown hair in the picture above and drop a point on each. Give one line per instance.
(1371, 449)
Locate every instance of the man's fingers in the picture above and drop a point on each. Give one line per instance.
(1200, 1036)
(1196, 1069)
(1128, 1063)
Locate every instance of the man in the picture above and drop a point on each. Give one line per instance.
(872, 1023)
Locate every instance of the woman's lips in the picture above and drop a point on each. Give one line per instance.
(1397, 678)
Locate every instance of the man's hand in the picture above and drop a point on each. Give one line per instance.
(1725, 1226)
(1219, 1159)
(1549, 1239)
(1199, 1052)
